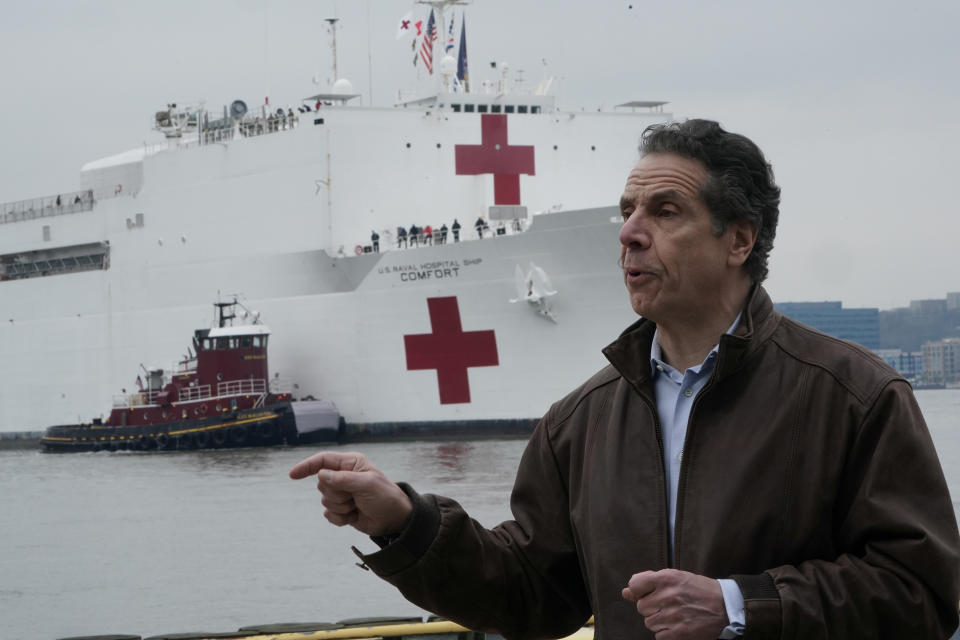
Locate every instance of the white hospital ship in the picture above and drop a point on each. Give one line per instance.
(476, 336)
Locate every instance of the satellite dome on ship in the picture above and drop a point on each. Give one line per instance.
(342, 87)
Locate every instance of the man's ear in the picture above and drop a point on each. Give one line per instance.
(743, 235)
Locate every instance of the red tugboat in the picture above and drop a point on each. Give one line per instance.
(218, 398)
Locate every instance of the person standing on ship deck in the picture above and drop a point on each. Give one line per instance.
(375, 241)
(731, 472)
(456, 230)
(480, 226)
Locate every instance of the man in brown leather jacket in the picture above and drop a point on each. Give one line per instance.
(732, 472)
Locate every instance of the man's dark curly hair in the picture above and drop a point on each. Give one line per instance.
(740, 183)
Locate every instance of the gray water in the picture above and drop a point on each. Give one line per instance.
(148, 544)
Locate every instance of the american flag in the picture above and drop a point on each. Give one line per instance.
(426, 49)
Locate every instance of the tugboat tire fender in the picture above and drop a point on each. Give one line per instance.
(238, 434)
(267, 430)
(219, 437)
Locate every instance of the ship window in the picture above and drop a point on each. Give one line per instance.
(318, 121)
(535, 109)
(495, 108)
(222, 343)
(482, 108)
(207, 344)
(509, 108)
(245, 341)
(456, 108)
(468, 108)
(522, 108)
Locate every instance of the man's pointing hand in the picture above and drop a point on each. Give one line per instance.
(356, 493)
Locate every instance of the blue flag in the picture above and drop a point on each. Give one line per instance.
(463, 75)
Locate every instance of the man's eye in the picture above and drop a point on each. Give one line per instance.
(626, 213)
(666, 213)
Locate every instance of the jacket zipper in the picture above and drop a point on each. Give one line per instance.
(658, 429)
(682, 481)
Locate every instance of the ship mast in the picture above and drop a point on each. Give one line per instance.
(441, 27)
(333, 45)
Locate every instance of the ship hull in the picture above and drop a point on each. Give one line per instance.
(267, 426)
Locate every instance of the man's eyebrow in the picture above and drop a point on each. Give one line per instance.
(659, 196)
(666, 194)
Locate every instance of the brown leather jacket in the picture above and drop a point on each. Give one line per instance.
(808, 476)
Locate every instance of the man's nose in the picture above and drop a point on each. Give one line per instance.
(633, 232)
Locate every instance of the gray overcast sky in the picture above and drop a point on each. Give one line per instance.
(855, 103)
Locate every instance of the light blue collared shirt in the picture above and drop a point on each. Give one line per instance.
(675, 393)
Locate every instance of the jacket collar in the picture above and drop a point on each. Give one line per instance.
(630, 353)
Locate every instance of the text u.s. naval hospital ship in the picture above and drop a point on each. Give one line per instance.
(406, 336)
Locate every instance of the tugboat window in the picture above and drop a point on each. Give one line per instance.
(222, 343)
(245, 341)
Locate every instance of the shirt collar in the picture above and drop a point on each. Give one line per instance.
(657, 363)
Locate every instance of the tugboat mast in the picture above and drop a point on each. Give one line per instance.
(225, 312)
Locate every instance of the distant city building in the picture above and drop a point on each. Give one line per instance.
(909, 364)
(953, 300)
(858, 325)
(938, 305)
(941, 361)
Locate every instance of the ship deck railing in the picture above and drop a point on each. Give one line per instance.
(256, 386)
(468, 233)
(44, 207)
(249, 127)
(199, 392)
(242, 387)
